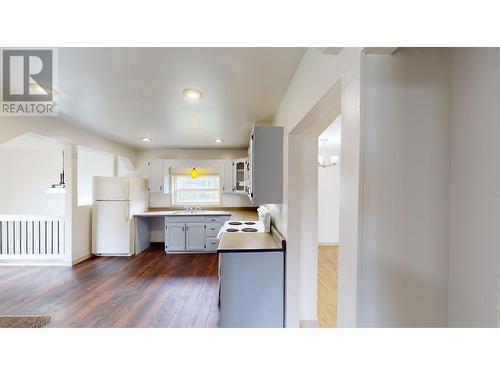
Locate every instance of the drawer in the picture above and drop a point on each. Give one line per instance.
(211, 243)
(216, 219)
(212, 229)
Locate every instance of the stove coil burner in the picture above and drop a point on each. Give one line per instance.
(249, 223)
(235, 223)
(249, 230)
(232, 230)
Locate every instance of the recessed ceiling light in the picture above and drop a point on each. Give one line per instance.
(219, 140)
(145, 139)
(192, 93)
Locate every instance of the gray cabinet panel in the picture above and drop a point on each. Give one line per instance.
(252, 289)
(266, 165)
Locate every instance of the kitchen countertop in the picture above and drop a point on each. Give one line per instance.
(177, 213)
(236, 213)
(248, 242)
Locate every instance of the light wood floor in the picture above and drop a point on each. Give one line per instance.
(327, 286)
(151, 289)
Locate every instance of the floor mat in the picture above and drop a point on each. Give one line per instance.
(24, 321)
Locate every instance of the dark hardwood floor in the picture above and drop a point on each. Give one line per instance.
(151, 289)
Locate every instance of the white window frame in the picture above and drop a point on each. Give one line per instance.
(175, 190)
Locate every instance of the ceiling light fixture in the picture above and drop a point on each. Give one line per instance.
(145, 139)
(219, 140)
(195, 173)
(323, 156)
(194, 94)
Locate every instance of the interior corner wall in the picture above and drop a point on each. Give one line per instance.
(475, 188)
(405, 189)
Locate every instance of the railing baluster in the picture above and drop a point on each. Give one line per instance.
(34, 236)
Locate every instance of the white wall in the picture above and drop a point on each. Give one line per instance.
(475, 186)
(91, 163)
(406, 148)
(316, 76)
(25, 175)
(328, 205)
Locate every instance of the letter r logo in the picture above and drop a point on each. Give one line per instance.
(27, 75)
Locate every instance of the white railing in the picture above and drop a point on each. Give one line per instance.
(31, 237)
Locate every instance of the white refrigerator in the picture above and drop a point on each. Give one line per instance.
(115, 201)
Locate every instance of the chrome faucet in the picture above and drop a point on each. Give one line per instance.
(190, 209)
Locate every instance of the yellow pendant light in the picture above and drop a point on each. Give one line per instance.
(195, 173)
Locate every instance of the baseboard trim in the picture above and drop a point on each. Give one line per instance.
(81, 259)
(328, 244)
(309, 324)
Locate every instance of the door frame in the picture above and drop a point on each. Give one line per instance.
(343, 98)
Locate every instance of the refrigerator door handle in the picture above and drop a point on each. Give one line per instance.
(127, 211)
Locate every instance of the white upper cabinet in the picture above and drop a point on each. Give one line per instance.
(239, 175)
(166, 176)
(265, 169)
(227, 186)
(159, 176)
(235, 176)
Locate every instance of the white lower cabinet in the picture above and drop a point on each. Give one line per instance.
(185, 234)
(195, 236)
(175, 237)
(211, 243)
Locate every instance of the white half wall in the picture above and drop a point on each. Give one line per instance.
(475, 188)
(406, 159)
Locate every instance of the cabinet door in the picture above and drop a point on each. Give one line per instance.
(239, 175)
(228, 177)
(166, 176)
(195, 237)
(175, 237)
(249, 187)
(155, 176)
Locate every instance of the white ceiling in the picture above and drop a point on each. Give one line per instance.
(127, 93)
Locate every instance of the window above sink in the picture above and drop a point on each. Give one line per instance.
(203, 190)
